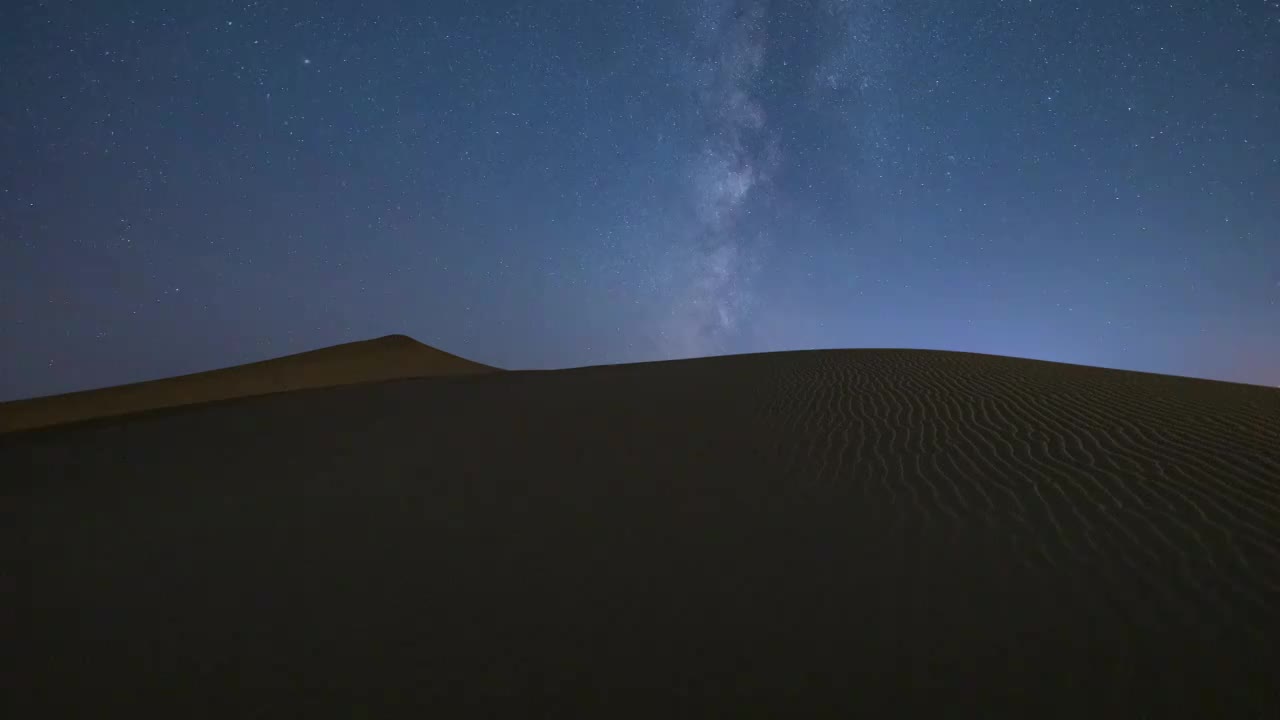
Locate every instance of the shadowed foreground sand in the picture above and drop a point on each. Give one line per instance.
(806, 533)
(385, 358)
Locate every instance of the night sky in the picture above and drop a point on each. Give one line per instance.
(190, 185)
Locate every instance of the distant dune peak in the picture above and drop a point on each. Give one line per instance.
(401, 338)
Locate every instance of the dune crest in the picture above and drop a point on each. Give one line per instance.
(385, 358)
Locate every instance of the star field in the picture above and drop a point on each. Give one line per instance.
(193, 185)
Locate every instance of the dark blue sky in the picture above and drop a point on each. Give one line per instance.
(192, 185)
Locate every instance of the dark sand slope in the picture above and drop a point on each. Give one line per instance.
(393, 356)
(770, 535)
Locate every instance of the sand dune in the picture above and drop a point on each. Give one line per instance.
(385, 358)
(809, 533)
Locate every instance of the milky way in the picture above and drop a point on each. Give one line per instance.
(732, 164)
(188, 186)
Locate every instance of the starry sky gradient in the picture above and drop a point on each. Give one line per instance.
(187, 185)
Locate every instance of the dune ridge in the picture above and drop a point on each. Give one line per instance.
(819, 532)
(384, 358)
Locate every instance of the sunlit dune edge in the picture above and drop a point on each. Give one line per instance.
(385, 358)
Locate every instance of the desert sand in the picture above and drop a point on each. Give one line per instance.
(785, 534)
(385, 358)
